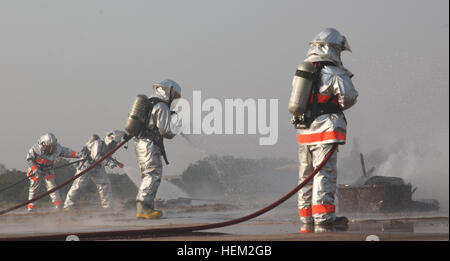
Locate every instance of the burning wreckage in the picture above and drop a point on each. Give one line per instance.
(371, 194)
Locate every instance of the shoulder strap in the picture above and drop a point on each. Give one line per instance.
(154, 100)
(156, 137)
(315, 91)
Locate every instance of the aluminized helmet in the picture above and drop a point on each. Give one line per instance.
(168, 84)
(48, 143)
(331, 37)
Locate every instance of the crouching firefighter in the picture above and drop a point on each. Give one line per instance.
(95, 149)
(321, 90)
(41, 158)
(150, 121)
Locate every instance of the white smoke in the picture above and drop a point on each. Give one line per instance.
(422, 162)
(424, 166)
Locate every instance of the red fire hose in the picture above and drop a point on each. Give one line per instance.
(174, 230)
(67, 181)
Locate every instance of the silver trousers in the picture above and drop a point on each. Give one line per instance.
(99, 177)
(149, 160)
(316, 198)
(36, 181)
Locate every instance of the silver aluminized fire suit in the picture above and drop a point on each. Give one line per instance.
(41, 162)
(316, 199)
(94, 149)
(149, 154)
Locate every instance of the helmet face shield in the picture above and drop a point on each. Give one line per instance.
(168, 88)
(175, 94)
(345, 45)
(48, 143)
(49, 148)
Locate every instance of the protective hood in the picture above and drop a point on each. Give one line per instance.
(162, 90)
(327, 46)
(47, 143)
(87, 148)
(92, 139)
(113, 138)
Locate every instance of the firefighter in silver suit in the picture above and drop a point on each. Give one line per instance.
(150, 148)
(95, 149)
(326, 126)
(41, 158)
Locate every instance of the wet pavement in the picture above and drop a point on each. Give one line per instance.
(279, 224)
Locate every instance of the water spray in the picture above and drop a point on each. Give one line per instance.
(133, 174)
(192, 143)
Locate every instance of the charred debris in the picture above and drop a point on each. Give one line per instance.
(378, 194)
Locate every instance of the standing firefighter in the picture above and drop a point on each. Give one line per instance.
(151, 121)
(95, 149)
(41, 158)
(322, 90)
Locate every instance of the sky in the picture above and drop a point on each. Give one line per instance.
(73, 68)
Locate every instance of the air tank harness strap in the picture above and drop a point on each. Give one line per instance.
(305, 74)
(320, 104)
(153, 133)
(158, 140)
